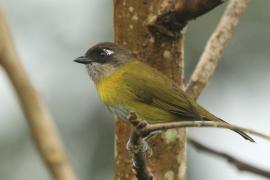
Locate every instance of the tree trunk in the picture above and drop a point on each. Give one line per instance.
(132, 23)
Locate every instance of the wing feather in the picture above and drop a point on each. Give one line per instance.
(152, 88)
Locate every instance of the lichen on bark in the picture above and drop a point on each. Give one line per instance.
(153, 30)
(165, 54)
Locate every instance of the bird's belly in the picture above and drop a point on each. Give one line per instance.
(120, 111)
(143, 113)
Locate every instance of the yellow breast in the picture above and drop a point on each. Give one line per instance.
(112, 90)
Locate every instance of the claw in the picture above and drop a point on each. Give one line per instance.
(132, 116)
(137, 123)
(148, 152)
(143, 147)
(141, 124)
(151, 134)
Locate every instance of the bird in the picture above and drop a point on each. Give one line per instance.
(126, 84)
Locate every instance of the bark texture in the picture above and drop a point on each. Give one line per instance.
(131, 20)
(154, 31)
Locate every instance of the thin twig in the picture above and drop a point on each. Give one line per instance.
(215, 47)
(187, 124)
(39, 120)
(143, 129)
(239, 164)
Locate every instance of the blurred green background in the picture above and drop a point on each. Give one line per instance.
(50, 34)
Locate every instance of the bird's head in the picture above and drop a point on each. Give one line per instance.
(103, 59)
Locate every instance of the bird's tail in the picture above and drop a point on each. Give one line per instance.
(241, 133)
(210, 117)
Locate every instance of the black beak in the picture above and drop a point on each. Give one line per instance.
(83, 60)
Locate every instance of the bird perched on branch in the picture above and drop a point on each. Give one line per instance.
(126, 84)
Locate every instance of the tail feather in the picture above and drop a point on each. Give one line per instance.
(205, 115)
(244, 135)
(241, 133)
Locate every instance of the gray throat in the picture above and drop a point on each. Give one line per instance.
(97, 71)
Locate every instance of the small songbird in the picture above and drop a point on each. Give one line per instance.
(126, 84)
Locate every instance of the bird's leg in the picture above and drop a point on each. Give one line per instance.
(141, 146)
(139, 124)
(137, 148)
(137, 142)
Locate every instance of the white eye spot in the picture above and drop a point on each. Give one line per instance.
(108, 51)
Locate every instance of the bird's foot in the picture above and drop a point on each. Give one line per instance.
(151, 134)
(142, 147)
(137, 142)
(139, 124)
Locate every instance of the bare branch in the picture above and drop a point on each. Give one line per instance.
(143, 129)
(174, 16)
(39, 120)
(185, 124)
(239, 164)
(215, 47)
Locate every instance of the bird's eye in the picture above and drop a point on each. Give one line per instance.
(105, 52)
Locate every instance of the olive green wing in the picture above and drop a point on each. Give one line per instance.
(152, 89)
(155, 96)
